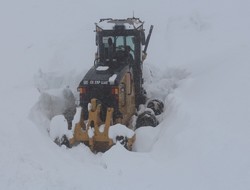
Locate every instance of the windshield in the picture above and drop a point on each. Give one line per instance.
(119, 43)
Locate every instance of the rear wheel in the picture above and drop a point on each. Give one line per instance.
(156, 105)
(62, 141)
(123, 140)
(147, 118)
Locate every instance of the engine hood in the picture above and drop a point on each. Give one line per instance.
(104, 75)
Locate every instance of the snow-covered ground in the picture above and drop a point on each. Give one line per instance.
(198, 63)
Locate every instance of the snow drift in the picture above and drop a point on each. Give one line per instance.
(198, 64)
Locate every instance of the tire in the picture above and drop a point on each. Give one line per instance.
(123, 141)
(147, 118)
(156, 105)
(63, 141)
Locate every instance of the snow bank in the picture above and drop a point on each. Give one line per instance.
(197, 63)
(145, 139)
(119, 130)
(59, 128)
(52, 103)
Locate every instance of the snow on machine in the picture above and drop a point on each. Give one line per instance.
(112, 90)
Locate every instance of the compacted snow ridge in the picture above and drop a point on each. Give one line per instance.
(197, 64)
(120, 130)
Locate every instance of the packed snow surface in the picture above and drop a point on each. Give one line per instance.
(198, 64)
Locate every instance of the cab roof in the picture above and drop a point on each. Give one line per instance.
(111, 24)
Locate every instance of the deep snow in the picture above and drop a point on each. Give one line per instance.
(198, 63)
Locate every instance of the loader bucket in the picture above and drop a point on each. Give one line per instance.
(96, 133)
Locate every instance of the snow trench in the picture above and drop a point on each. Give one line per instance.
(55, 98)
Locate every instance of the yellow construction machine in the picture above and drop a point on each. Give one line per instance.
(112, 90)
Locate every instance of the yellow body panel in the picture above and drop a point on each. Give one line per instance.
(90, 133)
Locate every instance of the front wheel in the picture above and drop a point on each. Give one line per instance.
(63, 141)
(147, 118)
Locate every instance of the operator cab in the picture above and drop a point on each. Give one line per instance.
(118, 65)
(119, 42)
(117, 49)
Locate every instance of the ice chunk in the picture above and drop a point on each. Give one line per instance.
(101, 128)
(91, 132)
(89, 106)
(102, 68)
(112, 79)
